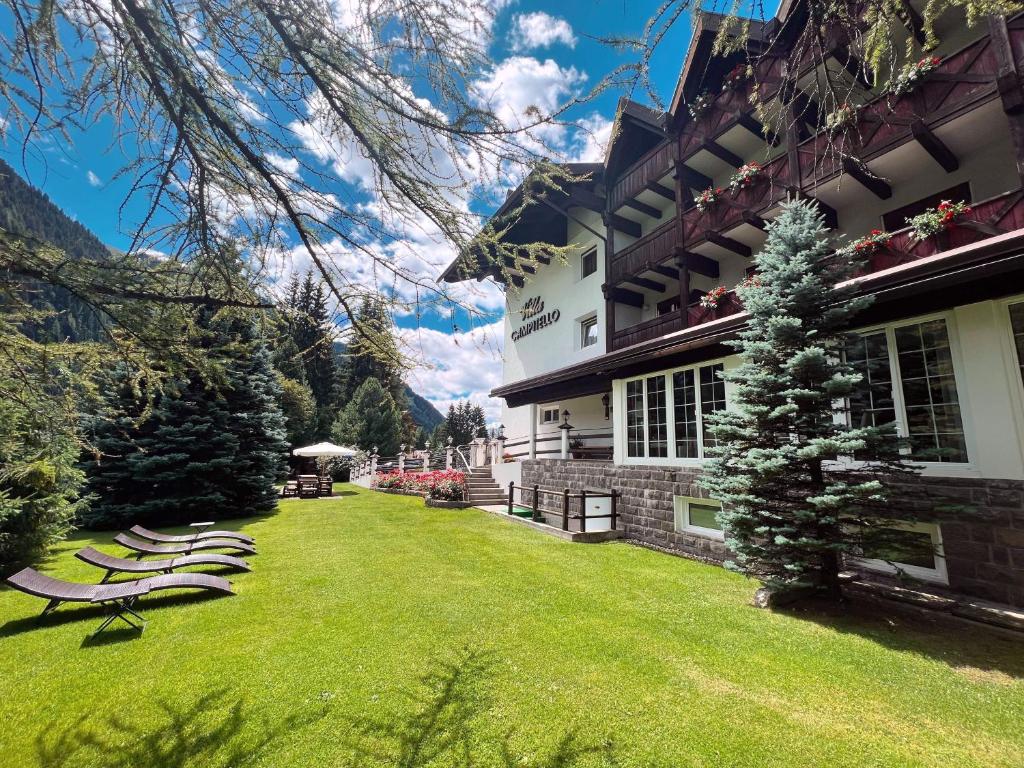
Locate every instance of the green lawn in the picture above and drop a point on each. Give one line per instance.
(376, 632)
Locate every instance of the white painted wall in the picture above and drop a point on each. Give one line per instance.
(561, 287)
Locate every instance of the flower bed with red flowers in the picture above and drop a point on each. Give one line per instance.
(443, 484)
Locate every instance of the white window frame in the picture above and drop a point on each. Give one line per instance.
(543, 410)
(583, 256)
(899, 405)
(1013, 361)
(671, 459)
(591, 318)
(681, 513)
(937, 575)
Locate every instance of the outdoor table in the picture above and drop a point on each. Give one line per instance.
(119, 603)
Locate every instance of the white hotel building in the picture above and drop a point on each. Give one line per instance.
(618, 338)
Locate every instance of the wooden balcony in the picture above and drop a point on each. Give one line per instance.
(649, 169)
(653, 248)
(989, 218)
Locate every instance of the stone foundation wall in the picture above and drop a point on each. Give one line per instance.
(984, 554)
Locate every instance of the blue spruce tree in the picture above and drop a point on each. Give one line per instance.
(793, 501)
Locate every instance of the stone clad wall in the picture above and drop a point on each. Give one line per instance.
(984, 554)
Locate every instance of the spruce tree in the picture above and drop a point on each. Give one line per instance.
(370, 419)
(203, 449)
(789, 512)
(373, 354)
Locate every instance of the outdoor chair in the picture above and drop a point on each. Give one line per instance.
(163, 538)
(325, 486)
(119, 599)
(309, 486)
(291, 488)
(187, 548)
(113, 564)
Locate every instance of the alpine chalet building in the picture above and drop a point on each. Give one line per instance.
(625, 343)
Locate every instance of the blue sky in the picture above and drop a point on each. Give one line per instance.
(537, 57)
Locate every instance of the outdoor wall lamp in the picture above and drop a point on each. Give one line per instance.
(606, 401)
(565, 420)
(449, 440)
(501, 431)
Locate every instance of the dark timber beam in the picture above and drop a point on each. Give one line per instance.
(745, 120)
(694, 179)
(699, 263)
(583, 198)
(807, 109)
(754, 220)
(643, 282)
(626, 296)
(630, 228)
(1009, 85)
(852, 64)
(911, 20)
(723, 154)
(522, 266)
(666, 271)
(662, 190)
(878, 187)
(826, 210)
(934, 146)
(644, 208)
(728, 243)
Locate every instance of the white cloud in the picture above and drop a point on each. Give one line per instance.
(521, 89)
(591, 139)
(93, 179)
(460, 365)
(540, 30)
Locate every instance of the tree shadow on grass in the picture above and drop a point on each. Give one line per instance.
(438, 727)
(978, 652)
(215, 731)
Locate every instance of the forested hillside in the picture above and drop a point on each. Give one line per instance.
(25, 210)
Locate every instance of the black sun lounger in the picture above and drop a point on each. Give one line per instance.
(113, 564)
(164, 538)
(119, 598)
(145, 548)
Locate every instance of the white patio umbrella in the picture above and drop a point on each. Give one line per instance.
(325, 450)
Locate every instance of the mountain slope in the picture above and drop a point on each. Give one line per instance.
(25, 210)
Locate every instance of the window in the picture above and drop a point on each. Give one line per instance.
(588, 263)
(698, 516)
(549, 415)
(1017, 326)
(635, 434)
(588, 332)
(915, 548)
(657, 421)
(669, 305)
(909, 378)
(665, 414)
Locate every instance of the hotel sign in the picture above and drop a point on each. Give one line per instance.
(534, 318)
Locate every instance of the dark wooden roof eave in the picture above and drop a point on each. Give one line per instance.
(940, 279)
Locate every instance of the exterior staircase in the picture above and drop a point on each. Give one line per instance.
(481, 488)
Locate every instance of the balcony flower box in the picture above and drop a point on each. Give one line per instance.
(913, 73)
(699, 105)
(736, 78)
(936, 220)
(711, 299)
(745, 177)
(867, 245)
(708, 198)
(843, 118)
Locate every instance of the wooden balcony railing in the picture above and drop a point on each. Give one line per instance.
(988, 218)
(649, 168)
(653, 248)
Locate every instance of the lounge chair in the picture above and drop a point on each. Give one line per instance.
(188, 548)
(164, 538)
(119, 598)
(112, 564)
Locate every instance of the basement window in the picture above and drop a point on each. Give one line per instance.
(915, 549)
(699, 516)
